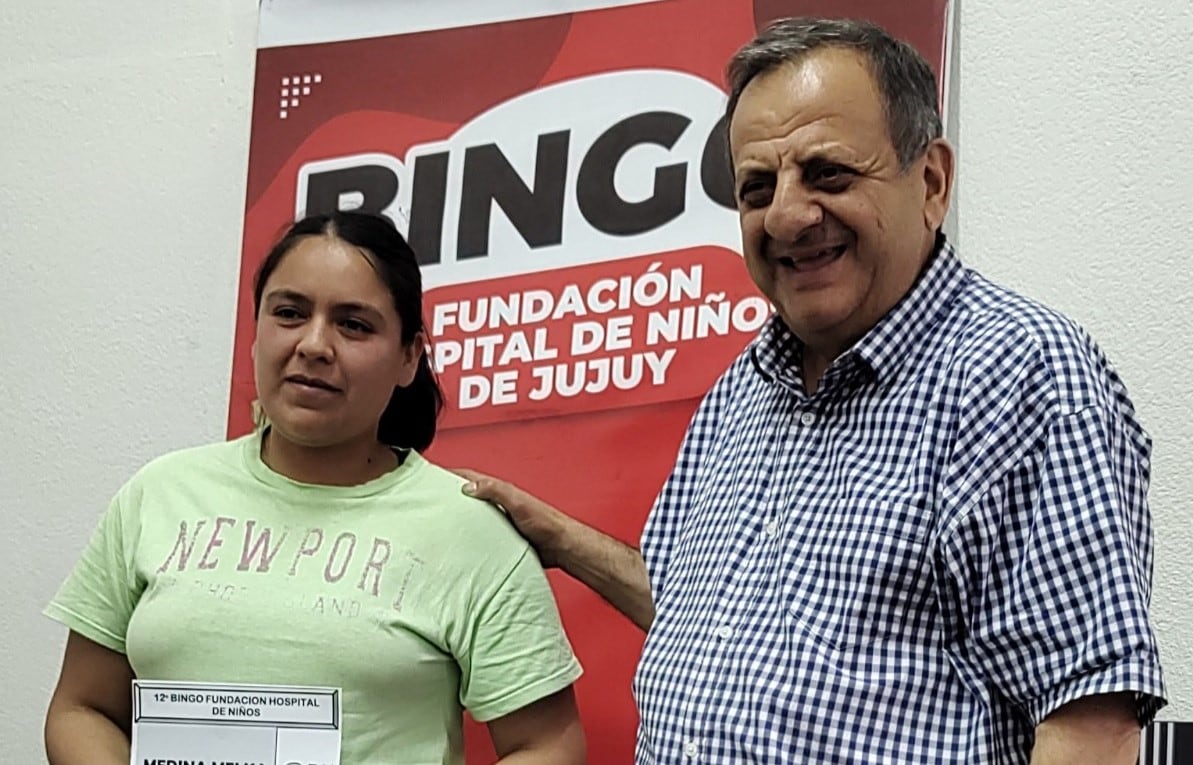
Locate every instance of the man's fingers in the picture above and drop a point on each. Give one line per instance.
(486, 487)
(537, 521)
(471, 476)
(511, 499)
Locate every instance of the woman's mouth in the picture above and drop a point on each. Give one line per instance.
(312, 382)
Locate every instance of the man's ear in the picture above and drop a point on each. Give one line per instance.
(938, 182)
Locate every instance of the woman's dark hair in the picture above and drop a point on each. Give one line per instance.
(410, 417)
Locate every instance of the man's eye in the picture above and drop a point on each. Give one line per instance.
(755, 194)
(832, 177)
(357, 326)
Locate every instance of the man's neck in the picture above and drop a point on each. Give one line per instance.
(814, 365)
(821, 351)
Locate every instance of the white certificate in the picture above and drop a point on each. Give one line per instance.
(218, 724)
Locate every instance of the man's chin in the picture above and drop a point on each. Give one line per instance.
(823, 329)
(812, 322)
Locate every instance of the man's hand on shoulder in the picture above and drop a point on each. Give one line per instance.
(544, 526)
(613, 569)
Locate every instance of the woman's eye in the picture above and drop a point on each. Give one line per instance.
(286, 312)
(355, 325)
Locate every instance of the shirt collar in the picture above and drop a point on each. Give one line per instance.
(777, 351)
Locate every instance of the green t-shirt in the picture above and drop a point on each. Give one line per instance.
(414, 599)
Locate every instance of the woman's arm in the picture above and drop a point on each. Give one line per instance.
(546, 732)
(91, 709)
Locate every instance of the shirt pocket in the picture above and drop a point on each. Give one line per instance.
(854, 586)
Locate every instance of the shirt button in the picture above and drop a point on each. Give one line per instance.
(724, 632)
(807, 418)
(771, 529)
(691, 750)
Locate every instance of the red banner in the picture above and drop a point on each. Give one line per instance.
(563, 179)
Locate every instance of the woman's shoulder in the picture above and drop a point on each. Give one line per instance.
(190, 462)
(469, 522)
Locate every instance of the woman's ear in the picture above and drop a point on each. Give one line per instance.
(412, 354)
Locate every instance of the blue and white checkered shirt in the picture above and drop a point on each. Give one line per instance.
(919, 562)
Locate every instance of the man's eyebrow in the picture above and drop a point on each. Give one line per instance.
(752, 171)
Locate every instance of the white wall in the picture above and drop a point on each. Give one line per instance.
(123, 141)
(1076, 174)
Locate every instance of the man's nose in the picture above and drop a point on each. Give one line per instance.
(792, 211)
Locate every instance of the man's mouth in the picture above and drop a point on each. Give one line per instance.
(312, 382)
(810, 260)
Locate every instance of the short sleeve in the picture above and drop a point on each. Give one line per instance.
(98, 597)
(1053, 566)
(516, 651)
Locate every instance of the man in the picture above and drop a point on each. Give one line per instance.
(909, 523)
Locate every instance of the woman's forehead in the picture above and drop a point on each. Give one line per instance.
(329, 268)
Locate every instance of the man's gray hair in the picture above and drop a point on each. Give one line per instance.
(904, 78)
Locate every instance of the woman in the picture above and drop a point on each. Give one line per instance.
(323, 549)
